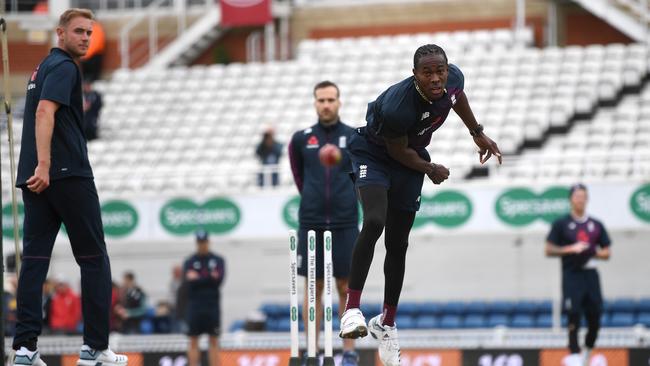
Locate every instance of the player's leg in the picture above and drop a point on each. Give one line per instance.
(193, 354)
(374, 202)
(398, 228)
(76, 201)
(213, 350)
(41, 225)
(382, 327)
(573, 296)
(593, 310)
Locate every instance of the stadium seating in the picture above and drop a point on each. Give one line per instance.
(194, 129)
(478, 314)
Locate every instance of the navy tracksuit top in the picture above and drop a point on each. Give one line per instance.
(328, 199)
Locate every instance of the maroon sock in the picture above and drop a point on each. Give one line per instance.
(389, 315)
(353, 299)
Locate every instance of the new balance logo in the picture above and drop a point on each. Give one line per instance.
(425, 115)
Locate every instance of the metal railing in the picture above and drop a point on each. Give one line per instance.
(135, 56)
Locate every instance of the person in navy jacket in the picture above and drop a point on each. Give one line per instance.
(581, 241)
(390, 161)
(328, 200)
(58, 188)
(204, 272)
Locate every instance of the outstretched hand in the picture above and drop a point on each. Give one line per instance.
(487, 148)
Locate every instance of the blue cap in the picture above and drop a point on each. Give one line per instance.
(201, 235)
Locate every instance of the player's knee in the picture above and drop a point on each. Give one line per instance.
(374, 222)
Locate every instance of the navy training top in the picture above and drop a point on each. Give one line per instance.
(566, 231)
(206, 290)
(57, 78)
(328, 199)
(400, 110)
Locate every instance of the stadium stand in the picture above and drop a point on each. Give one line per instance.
(623, 312)
(170, 130)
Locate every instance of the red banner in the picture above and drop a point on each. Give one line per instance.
(245, 12)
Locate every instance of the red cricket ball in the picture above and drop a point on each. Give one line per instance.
(329, 155)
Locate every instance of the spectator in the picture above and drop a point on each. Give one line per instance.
(65, 308)
(133, 305)
(204, 273)
(92, 106)
(92, 62)
(269, 152)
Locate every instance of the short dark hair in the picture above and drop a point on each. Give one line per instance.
(129, 276)
(326, 84)
(428, 49)
(575, 187)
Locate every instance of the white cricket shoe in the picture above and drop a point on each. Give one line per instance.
(389, 352)
(25, 357)
(353, 324)
(586, 355)
(94, 357)
(574, 359)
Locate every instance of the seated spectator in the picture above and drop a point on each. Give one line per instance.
(65, 308)
(133, 305)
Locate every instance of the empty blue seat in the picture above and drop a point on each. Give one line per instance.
(643, 319)
(429, 308)
(643, 306)
(450, 322)
(522, 321)
(275, 309)
(544, 321)
(604, 320)
(270, 324)
(282, 324)
(453, 308)
(500, 307)
(237, 325)
(405, 322)
(526, 307)
(545, 307)
(494, 320)
(623, 306)
(146, 326)
(474, 321)
(408, 308)
(622, 320)
(426, 322)
(369, 310)
(476, 307)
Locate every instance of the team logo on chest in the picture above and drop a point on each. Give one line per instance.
(312, 142)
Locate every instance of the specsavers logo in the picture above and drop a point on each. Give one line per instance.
(119, 218)
(290, 212)
(448, 209)
(521, 206)
(640, 203)
(8, 220)
(183, 216)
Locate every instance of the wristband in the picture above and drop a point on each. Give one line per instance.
(477, 131)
